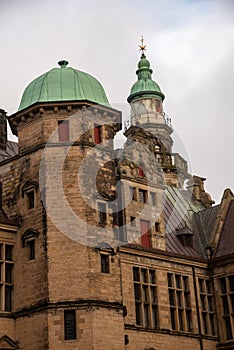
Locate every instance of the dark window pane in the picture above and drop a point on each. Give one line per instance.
(212, 327)
(173, 322)
(142, 196)
(170, 279)
(187, 300)
(172, 297)
(8, 298)
(181, 324)
(30, 196)
(204, 321)
(102, 213)
(223, 285)
(152, 276)
(145, 296)
(146, 315)
(203, 302)
(209, 301)
(137, 291)
(225, 305)
(155, 322)
(8, 253)
(8, 273)
(201, 286)
(144, 275)
(179, 298)
(105, 264)
(228, 328)
(178, 281)
(188, 320)
(138, 313)
(136, 274)
(185, 283)
(231, 283)
(69, 324)
(153, 292)
(208, 286)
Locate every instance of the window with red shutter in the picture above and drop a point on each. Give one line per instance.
(63, 130)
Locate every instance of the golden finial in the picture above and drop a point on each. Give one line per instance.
(142, 46)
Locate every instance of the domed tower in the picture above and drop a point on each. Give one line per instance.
(146, 101)
(62, 181)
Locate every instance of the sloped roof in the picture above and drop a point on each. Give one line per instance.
(4, 219)
(226, 242)
(10, 151)
(179, 209)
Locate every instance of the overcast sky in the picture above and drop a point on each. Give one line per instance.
(190, 45)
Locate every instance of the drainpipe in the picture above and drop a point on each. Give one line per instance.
(197, 309)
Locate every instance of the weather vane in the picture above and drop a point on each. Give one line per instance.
(142, 46)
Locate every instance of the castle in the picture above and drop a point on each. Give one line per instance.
(108, 249)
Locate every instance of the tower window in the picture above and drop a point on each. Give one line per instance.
(141, 172)
(101, 213)
(105, 263)
(31, 249)
(63, 130)
(157, 226)
(145, 233)
(30, 196)
(142, 196)
(97, 134)
(152, 198)
(133, 221)
(69, 324)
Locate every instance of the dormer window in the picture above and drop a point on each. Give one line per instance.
(28, 190)
(29, 241)
(185, 236)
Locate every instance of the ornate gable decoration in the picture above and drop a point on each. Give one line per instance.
(105, 247)
(29, 186)
(29, 235)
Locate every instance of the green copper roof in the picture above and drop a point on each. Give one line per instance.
(63, 84)
(145, 87)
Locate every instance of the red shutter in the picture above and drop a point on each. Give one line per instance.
(145, 239)
(141, 172)
(97, 134)
(63, 130)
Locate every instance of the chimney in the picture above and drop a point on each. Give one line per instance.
(3, 129)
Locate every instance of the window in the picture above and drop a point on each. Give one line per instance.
(31, 249)
(63, 130)
(179, 299)
(133, 221)
(69, 324)
(157, 226)
(105, 263)
(97, 134)
(227, 296)
(145, 293)
(133, 193)
(6, 277)
(30, 196)
(141, 172)
(152, 198)
(101, 213)
(145, 233)
(142, 195)
(206, 307)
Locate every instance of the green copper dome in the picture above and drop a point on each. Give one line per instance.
(145, 87)
(63, 84)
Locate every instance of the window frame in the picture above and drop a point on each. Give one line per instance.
(68, 337)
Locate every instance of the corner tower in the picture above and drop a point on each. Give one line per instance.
(146, 101)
